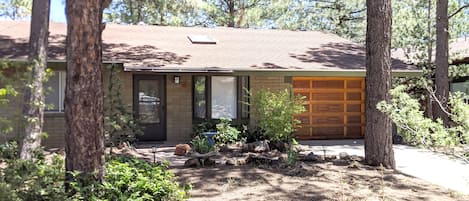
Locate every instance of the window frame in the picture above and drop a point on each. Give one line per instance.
(61, 96)
(208, 98)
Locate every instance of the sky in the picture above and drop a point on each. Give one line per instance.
(57, 11)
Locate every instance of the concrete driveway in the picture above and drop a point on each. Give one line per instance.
(434, 167)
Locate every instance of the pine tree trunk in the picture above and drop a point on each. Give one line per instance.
(441, 60)
(84, 88)
(378, 136)
(33, 108)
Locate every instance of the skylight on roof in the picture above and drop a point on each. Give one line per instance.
(201, 39)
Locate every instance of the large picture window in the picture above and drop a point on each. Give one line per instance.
(218, 97)
(55, 92)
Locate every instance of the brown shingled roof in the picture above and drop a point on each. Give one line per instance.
(161, 47)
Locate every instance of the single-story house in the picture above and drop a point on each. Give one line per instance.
(175, 77)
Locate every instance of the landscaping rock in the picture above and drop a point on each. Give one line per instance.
(192, 162)
(258, 147)
(237, 161)
(280, 146)
(231, 147)
(310, 157)
(182, 149)
(263, 159)
(343, 155)
(340, 162)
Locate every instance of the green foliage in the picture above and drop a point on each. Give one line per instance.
(226, 133)
(161, 12)
(292, 157)
(126, 179)
(406, 113)
(205, 126)
(10, 74)
(15, 9)
(275, 113)
(120, 124)
(9, 150)
(200, 145)
(33, 180)
(134, 179)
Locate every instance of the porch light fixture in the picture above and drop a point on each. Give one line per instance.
(177, 79)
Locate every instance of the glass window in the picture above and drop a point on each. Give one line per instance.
(215, 97)
(200, 108)
(55, 91)
(223, 97)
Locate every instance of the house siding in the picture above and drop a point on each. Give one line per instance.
(179, 108)
(273, 83)
(179, 121)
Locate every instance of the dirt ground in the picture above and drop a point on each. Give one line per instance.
(307, 181)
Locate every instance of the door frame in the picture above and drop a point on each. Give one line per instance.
(163, 112)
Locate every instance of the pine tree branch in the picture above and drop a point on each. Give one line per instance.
(459, 10)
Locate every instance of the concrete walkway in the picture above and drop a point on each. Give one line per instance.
(434, 167)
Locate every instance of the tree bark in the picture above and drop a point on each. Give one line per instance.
(84, 88)
(33, 108)
(441, 60)
(428, 99)
(378, 136)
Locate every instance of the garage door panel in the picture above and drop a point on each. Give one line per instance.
(354, 107)
(327, 120)
(327, 96)
(354, 96)
(335, 107)
(301, 84)
(325, 131)
(354, 84)
(354, 119)
(318, 108)
(327, 84)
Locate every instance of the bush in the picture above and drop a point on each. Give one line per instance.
(134, 179)
(126, 179)
(275, 114)
(200, 145)
(205, 126)
(120, 124)
(415, 128)
(226, 133)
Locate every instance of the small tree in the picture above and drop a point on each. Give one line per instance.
(275, 112)
(120, 125)
(417, 129)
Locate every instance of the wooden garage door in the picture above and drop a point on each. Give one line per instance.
(335, 107)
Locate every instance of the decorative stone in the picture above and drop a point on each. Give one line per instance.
(343, 155)
(182, 149)
(340, 162)
(193, 162)
(258, 147)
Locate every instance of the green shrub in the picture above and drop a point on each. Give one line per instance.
(38, 180)
(9, 150)
(120, 124)
(275, 114)
(226, 132)
(205, 126)
(415, 128)
(126, 179)
(134, 179)
(200, 145)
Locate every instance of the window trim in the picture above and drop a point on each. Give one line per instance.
(61, 96)
(208, 97)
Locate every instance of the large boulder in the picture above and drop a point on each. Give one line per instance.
(182, 149)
